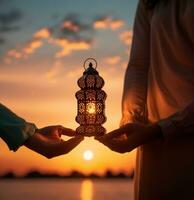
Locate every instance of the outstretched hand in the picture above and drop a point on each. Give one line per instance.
(134, 135)
(47, 141)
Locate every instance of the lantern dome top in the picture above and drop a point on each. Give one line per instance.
(90, 78)
(90, 70)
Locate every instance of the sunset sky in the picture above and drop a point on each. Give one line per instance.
(43, 45)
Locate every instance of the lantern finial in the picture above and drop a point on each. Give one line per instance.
(90, 65)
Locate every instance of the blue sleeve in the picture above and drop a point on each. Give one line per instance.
(13, 129)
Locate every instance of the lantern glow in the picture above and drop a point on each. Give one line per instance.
(91, 108)
(91, 102)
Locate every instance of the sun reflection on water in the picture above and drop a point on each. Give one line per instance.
(87, 190)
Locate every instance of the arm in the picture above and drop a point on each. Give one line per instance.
(135, 84)
(135, 92)
(13, 129)
(179, 124)
(46, 141)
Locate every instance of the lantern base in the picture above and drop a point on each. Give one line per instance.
(90, 130)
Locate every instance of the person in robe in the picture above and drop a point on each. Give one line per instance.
(158, 101)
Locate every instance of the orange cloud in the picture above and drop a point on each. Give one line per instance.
(32, 46)
(126, 37)
(108, 22)
(112, 60)
(69, 25)
(42, 33)
(68, 46)
(29, 48)
(14, 53)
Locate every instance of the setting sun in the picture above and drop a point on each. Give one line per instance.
(88, 155)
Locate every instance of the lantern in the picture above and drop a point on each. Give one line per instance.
(90, 101)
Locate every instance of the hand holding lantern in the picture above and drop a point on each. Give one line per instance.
(91, 102)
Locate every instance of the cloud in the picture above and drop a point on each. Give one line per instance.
(73, 28)
(68, 46)
(8, 20)
(14, 53)
(42, 33)
(29, 48)
(17, 54)
(32, 46)
(70, 26)
(73, 23)
(112, 60)
(126, 37)
(107, 23)
(71, 34)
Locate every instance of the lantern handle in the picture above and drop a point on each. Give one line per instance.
(90, 64)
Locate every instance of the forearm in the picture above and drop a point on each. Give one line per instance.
(136, 76)
(13, 129)
(179, 124)
(135, 92)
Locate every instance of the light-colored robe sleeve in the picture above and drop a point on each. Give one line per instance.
(179, 124)
(136, 76)
(13, 129)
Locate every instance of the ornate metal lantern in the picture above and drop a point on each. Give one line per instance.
(90, 101)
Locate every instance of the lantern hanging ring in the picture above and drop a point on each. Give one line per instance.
(92, 60)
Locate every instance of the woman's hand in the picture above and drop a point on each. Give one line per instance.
(47, 141)
(134, 135)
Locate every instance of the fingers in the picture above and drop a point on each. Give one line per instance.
(120, 146)
(64, 147)
(115, 133)
(67, 131)
(110, 135)
(126, 129)
(51, 148)
(72, 143)
(57, 129)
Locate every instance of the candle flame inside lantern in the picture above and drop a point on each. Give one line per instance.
(91, 108)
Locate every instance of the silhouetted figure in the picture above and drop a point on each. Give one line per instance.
(158, 101)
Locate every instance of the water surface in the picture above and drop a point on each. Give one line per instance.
(67, 189)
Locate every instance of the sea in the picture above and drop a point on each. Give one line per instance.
(66, 189)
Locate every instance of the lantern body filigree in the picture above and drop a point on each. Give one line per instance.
(91, 103)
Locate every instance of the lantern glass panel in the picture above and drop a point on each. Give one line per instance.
(91, 108)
